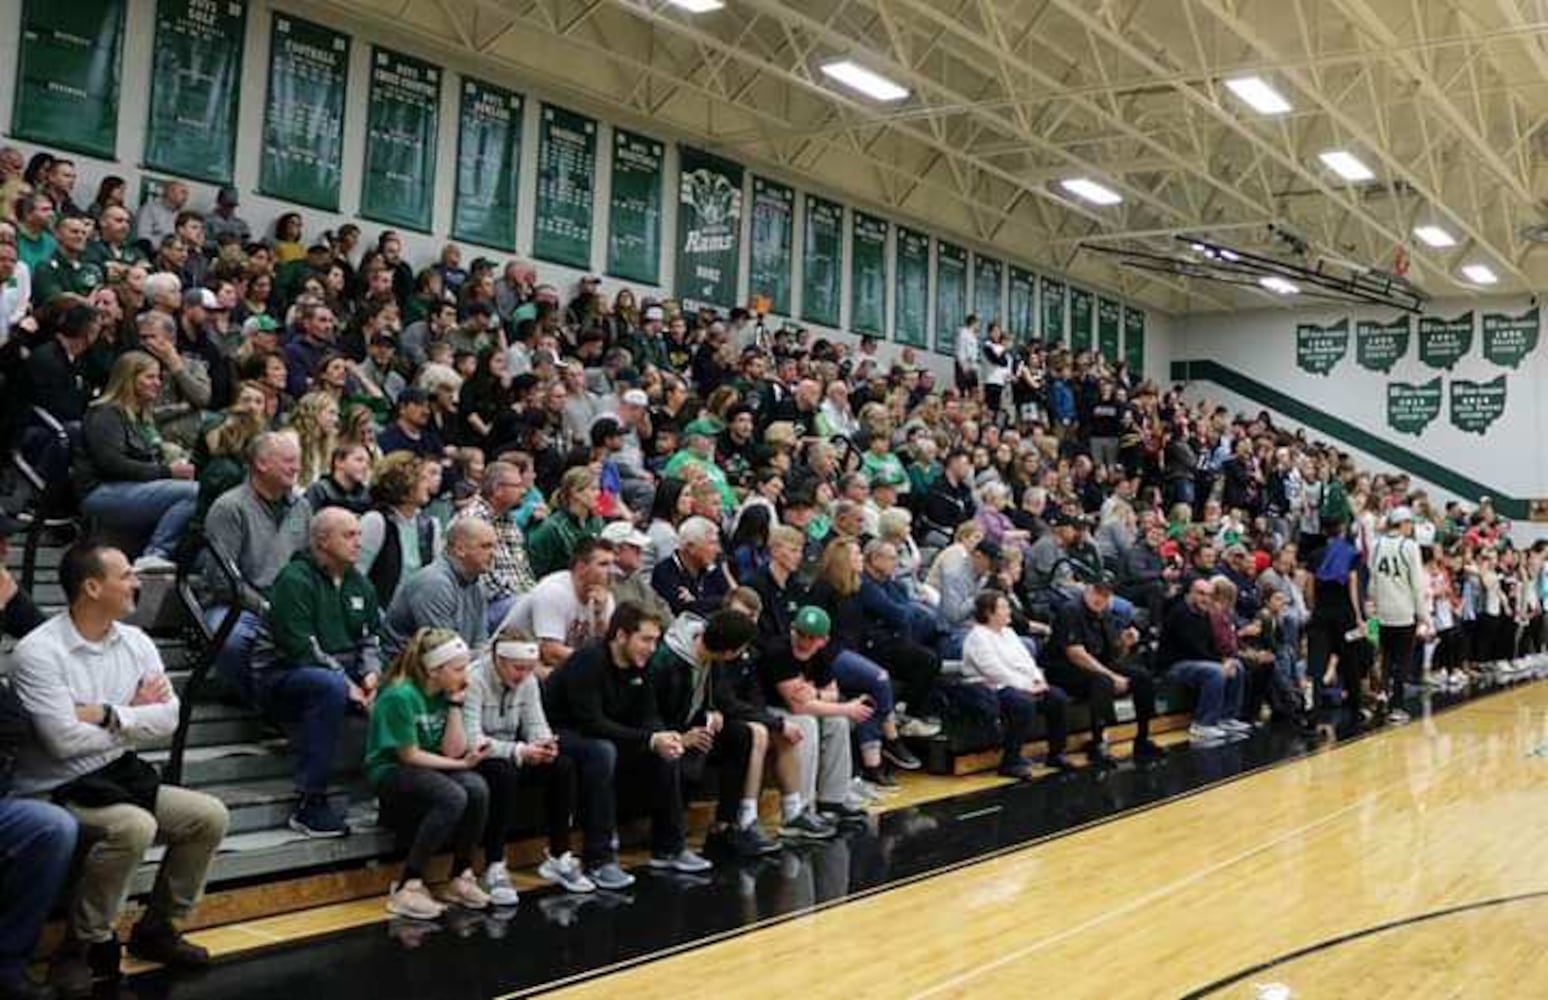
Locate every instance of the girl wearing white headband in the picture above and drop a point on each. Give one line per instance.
(424, 769)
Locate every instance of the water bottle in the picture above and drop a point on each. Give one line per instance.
(1373, 631)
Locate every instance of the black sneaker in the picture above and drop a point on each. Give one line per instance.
(1099, 755)
(314, 817)
(105, 959)
(729, 842)
(808, 825)
(1148, 750)
(843, 814)
(1021, 770)
(881, 777)
(1059, 762)
(155, 941)
(900, 756)
(756, 842)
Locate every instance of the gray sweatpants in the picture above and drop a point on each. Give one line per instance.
(824, 755)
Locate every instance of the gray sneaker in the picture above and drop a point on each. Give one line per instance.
(610, 876)
(685, 861)
(565, 871)
(807, 825)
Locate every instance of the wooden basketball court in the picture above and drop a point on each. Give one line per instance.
(1411, 863)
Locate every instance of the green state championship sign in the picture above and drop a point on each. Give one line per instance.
(951, 264)
(1477, 405)
(634, 208)
(1109, 323)
(1081, 302)
(1134, 340)
(1021, 304)
(196, 77)
(868, 275)
(566, 186)
(1319, 348)
(403, 114)
(1507, 340)
(988, 275)
(709, 228)
(773, 243)
(1444, 342)
(821, 259)
(1380, 346)
(488, 154)
(302, 155)
(912, 322)
(1053, 311)
(67, 74)
(1412, 408)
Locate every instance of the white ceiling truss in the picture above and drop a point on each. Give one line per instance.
(1444, 99)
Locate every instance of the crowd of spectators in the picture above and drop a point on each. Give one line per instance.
(569, 546)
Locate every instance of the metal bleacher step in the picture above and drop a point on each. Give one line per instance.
(266, 804)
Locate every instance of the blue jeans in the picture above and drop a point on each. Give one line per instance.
(233, 657)
(498, 608)
(858, 675)
(1219, 696)
(37, 841)
(310, 702)
(162, 507)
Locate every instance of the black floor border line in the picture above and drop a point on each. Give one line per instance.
(1376, 929)
(637, 961)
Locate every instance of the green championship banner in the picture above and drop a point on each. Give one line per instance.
(1081, 308)
(1477, 405)
(1319, 349)
(196, 78)
(951, 306)
(1380, 346)
(1109, 319)
(566, 185)
(1412, 408)
(1507, 340)
(988, 275)
(488, 159)
(302, 156)
(67, 74)
(1053, 311)
(821, 260)
(773, 243)
(868, 275)
(403, 113)
(1444, 342)
(634, 208)
(1133, 341)
(709, 228)
(911, 325)
(1021, 308)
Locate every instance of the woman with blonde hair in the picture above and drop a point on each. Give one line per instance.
(126, 476)
(552, 543)
(424, 770)
(315, 421)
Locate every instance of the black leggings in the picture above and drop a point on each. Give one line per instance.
(431, 809)
(505, 779)
(913, 668)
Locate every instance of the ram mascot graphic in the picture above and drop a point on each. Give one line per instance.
(712, 196)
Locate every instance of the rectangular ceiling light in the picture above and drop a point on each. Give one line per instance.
(1280, 286)
(697, 6)
(871, 84)
(1480, 274)
(1347, 165)
(1256, 93)
(1435, 236)
(1097, 194)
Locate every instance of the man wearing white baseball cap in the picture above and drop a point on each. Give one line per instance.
(1399, 600)
(631, 581)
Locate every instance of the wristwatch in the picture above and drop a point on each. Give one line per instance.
(109, 718)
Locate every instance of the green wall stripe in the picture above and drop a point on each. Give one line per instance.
(1346, 433)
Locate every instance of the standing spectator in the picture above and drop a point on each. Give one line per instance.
(967, 355)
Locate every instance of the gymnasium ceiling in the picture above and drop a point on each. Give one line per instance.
(1443, 99)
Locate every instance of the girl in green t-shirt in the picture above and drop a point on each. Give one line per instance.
(424, 771)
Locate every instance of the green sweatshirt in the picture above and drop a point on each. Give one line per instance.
(343, 619)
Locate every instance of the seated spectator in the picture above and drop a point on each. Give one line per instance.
(899, 633)
(397, 536)
(570, 608)
(669, 508)
(604, 693)
(185, 393)
(631, 581)
(551, 545)
(685, 674)
(125, 476)
(949, 500)
(95, 689)
(1191, 655)
(694, 579)
(777, 586)
(505, 707)
(698, 453)
(315, 655)
(347, 483)
(412, 430)
(57, 375)
(425, 772)
(315, 425)
(510, 576)
(446, 593)
(993, 655)
(750, 541)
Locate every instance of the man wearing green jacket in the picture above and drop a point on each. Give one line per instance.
(318, 654)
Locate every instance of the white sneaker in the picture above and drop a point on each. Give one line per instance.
(862, 789)
(1207, 734)
(1235, 726)
(497, 885)
(921, 729)
(565, 872)
(463, 891)
(412, 900)
(1397, 717)
(149, 565)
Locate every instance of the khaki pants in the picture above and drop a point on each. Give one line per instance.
(114, 840)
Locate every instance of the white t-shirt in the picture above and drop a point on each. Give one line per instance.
(553, 611)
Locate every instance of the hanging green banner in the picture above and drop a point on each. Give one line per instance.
(488, 158)
(951, 306)
(709, 228)
(1081, 303)
(1109, 316)
(302, 156)
(67, 75)
(1107, 333)
(566, 183)
(196, 77)
(1021, 310)
(1477, 405)
(911, 324)
(868, 275)
(1053, 311)
(403, 113)
(1507, 340)
(1319, 349)
(988, 275)
(1444, 342)
(1412, 408)
(821, 259)
(1133, 341)
(773, 243)
(634, 208)
(1380, 346)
